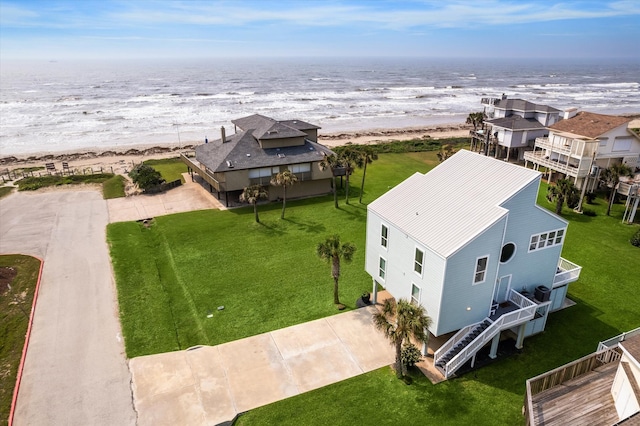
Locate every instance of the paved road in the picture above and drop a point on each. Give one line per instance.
(76, 372)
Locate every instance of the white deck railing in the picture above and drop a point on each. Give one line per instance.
(460, 335)
(525, 313)
(569, 272)
(613, 342)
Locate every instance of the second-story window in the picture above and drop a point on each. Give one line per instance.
(481, 270)
(419, 259)
(384, 235)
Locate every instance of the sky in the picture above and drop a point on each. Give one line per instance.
(112, 29)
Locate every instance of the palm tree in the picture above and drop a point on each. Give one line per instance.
(349, 158)
(332, 250)
(400, 322)
(475, 119)
(367, 156)
(562, 191)
(284, 179)
(611, 176)
(331, 162)
(252, 194)
(446, 151)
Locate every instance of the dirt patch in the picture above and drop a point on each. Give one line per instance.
(7, 274)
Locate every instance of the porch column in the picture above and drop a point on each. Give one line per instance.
(520, 341)
(494, 346)
(375, 291)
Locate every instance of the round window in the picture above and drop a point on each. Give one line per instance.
(508, 250)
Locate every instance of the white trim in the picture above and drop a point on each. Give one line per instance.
(385, 238)
(381, 269)
(417, 301)
(544, 240)
(515, 250)
(475, 270)
(415, 262)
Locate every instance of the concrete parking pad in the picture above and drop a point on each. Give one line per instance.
(209, 385)
(187, 197)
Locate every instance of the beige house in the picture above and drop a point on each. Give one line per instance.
(261, 148)
(583, 144)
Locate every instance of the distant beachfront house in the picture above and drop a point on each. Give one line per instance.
(468, 242)
(601, 388)
(261, 148)
(583, 144)
(512, 125)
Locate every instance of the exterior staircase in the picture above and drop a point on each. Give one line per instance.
(469, 340)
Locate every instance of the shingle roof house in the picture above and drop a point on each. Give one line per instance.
(468, 242)
(513, 124)
(583, 144)
(261, 148)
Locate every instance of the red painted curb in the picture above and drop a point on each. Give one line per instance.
(26, 343)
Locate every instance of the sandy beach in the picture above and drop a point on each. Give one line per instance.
(121, 162)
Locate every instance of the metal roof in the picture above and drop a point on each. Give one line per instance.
(450, 205)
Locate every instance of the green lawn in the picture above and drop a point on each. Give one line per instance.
(170, 168)
(113, 187)
(172, 274)
(607, 304)
(5, 190)
(15, 308)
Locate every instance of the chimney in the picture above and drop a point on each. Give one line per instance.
(570, 113)
(223, 134)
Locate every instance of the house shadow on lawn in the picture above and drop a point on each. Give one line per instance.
(570, 334)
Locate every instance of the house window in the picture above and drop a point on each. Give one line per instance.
(417, 266)
(415, 294)
(508, 250)
(302, 171)
(384, 235)
(546, 239)
(481, 270)
(382, 270)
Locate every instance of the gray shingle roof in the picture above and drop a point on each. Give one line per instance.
(267, 128)
(522, 105)
(244, 152)
(515, 122)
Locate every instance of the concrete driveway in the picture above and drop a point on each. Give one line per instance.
(208, 385)
(188, 197)
(75, 371)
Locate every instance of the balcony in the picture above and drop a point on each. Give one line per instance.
(541, 159)
(567, 272)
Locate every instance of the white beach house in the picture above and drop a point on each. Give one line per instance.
(583, 144)
(468, 242)
(513, 124)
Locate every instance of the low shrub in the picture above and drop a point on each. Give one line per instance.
(589, 212)
(635, 240)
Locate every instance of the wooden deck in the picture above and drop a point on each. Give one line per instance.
(585, 400)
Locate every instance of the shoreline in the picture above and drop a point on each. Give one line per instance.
(137, 153)
(121, 161)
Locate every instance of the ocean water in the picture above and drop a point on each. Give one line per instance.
(52, 107)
